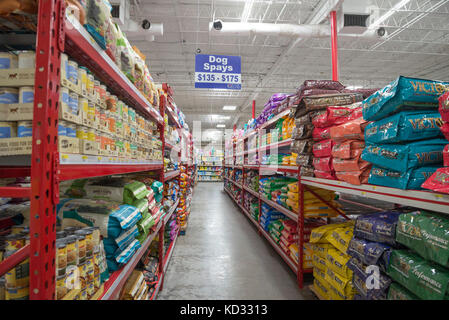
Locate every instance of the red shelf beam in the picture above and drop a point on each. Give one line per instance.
(171, 174)
(14, 259)
(15, 192)
(70, 171)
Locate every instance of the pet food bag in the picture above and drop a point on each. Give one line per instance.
(402, 157)
(377, 227)
(319, 134)
(403, 94)
(446, 156)
(97, 15)
(111, 245)
(319, 235)
(348, 149)
(354, 177)
(318, 102)
(329, 175)
(340, 288)
(444, 106)
(353, 130)
(370, 253)
(340, 238)
(360, 280)
(355, 164)
(334, 116)
(323, 164)
(404, 126)
(302, 146)
(110, 217)
(411, 179)
(302, 132)
(439, 181)
(426, 280)
(321, 288)
(427, 234)
(337, 261)
(323, 149)
(398, 292)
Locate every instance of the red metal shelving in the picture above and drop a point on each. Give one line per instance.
(292, 215)
(69, 172)
(171, 175)
(15, 192)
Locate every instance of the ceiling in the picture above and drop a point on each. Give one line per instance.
(417, 45)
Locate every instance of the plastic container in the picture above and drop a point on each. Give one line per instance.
(90, 84)
(61, 287)
(74, 103)
(72, 71)
(72, 253)
(26, 95)
(61, 257)
(9, 95)
(24, 129)
(8, 129)
(81, 246)
(82, 76)
(27, 60)
(64, 96)
(8, 60)
(91, 134)
(81, 133)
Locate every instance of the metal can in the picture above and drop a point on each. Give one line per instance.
(81, 246)
(97, 280)
(14, 242)
(24, 129)
(91, 134)
(27, 60)
(22, 293)
(72, 71)
(82, 76)
(81, 132)
(71, 130)
(90, 84)
(8, 60)
(83, 295)
(90, 289)
(62, 128)
(72, 253)
(82, 271)
(83, 104)
(74, 103)
(91, 111)
(61, 287)
(61, 257)
(26, 94)
(19, 276)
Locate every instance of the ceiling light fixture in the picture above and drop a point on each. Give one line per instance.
(388, 14)
(247, 10)
(221, 126)
(354, 87)
(229, 108)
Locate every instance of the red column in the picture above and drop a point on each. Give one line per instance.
(254, 109)
(334, 46)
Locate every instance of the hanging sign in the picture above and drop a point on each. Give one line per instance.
(218, 72)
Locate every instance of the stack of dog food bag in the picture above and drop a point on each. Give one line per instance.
(347, 133)
(404, 142)
(269, 215)
(421, 271)
(370, 249)
(437, 182)
(332, 276)
(182, 211)
(314, 150)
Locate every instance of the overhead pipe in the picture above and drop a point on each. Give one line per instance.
(334, 44)
(219, 27)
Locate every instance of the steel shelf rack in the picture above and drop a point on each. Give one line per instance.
(58, 33)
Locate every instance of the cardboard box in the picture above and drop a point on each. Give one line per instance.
(68, 145)
(65, 113)
(16, 112)
(16, 146)
(89, 147)
(17, 77)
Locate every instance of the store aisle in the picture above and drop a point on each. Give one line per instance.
(222, 256)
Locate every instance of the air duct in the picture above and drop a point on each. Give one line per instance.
(288, 30)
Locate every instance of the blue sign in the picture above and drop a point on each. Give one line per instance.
(218, 72)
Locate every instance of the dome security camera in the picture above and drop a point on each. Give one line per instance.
(218, 25)
(381, 32)
(146, 24)
(198, 50)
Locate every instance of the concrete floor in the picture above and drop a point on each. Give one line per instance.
(223, 257)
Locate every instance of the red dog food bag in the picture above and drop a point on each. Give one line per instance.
(320, 134)
(348, 149)
(323, 148)
(446, 156)
(323, 164)
(444, 106)
(330, 175)
(355, 164)
(354, 177)
(353, 130)
(439, 181)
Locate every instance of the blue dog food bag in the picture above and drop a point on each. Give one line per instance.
(403, 94)
(370, 253)
(405, 126)
(411, 179)
(402, 157)
(377, 227)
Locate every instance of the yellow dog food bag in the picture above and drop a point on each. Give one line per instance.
(321, 289)
(340, 238)
(319, 263)
(342, 285)
(321, 249)
(325, 194)
(337, 262)
(293, 187)
(294, 196)
(319, 235)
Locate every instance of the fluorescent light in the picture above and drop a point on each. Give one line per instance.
(221, 126)
(389, 13)
(247, 10)
(229, 108)
(354, 87)
(216, 117)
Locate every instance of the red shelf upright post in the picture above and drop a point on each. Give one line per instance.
(45, 157)
(334, 39)
(300, 225)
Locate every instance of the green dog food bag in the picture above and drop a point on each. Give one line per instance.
(398, 292)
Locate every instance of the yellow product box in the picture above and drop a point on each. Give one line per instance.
(340, 238)
(338, 262)
(321, 249)
(341, 284)
(319, 235)
(319, 262)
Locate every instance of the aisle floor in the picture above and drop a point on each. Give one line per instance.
(223, 257)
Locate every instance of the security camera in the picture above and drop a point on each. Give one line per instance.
(381, 32)
(218, 25)
(146, 24)
(198, 50)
